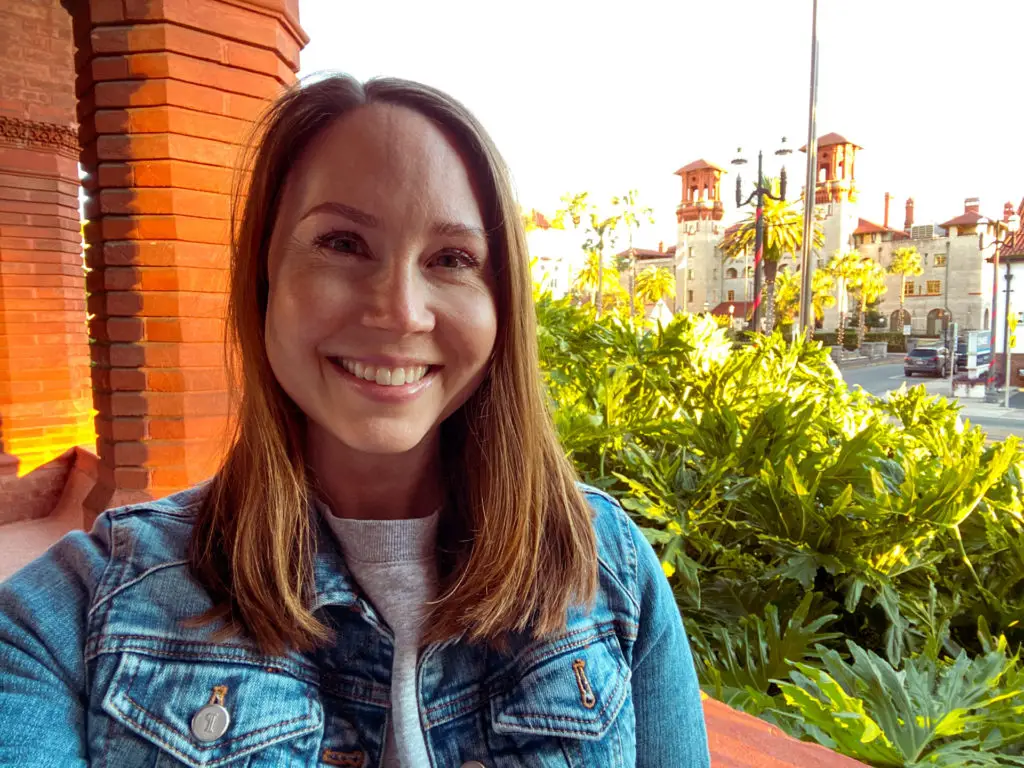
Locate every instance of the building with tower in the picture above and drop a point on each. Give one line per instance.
(698, 262)
(957, 282)
(706, 282)
(957, 279)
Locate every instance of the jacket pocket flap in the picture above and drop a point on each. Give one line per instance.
(577, 693)
(158, 698)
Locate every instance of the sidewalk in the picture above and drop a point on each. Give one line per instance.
(976, 408)
(866, 362)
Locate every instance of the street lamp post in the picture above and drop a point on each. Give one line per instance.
(1006, 341)
(1010, 227)
(806, 319)
(759, 194)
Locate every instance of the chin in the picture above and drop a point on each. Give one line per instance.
(381, 439)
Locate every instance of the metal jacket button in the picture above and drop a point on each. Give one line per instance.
(473, 764)
(210, 722)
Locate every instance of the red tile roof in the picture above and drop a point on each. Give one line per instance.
(1014, 248)
(647, 253)
(865, 227)
(539, 219)
(832, 138)
(965, 219)
(698, 165)
(740, 308)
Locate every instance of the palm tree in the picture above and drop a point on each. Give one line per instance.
(630, 215)
(787, 297)
(869, 285)
(823, 284)
(905, 262)
(843, 268)
(654, 284)
(783, 233)
(599, 231)
(589, 279)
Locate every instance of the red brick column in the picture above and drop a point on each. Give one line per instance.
(167, 90)
(45, 397)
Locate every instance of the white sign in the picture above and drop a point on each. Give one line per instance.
(907, 330)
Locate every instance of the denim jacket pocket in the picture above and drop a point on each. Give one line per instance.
(569, 703)
(160, 701)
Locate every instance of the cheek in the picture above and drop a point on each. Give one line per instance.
(301, 306)
(478, 327)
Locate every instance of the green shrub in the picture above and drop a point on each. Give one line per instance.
(794, 516)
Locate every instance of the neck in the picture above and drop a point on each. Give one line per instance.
(364, 486)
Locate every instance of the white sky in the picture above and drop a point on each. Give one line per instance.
(608, 96)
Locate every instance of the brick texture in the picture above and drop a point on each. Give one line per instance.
(167, 92)
(45, 389)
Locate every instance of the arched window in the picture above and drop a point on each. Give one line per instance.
(822, 173)
(731, 273)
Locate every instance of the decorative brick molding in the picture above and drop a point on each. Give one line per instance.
(32, 134)
(45, 388)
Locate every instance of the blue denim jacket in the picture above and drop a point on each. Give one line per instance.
(97, 669)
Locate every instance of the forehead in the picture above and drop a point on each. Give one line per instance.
(385, 159)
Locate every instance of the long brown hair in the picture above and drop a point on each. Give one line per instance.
(519, 543)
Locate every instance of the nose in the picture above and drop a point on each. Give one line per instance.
(397, 299)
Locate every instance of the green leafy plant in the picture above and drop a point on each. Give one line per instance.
(794, 516)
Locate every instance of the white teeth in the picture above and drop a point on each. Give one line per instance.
(386, 377)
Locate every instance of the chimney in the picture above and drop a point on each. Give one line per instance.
(909, 221)
(886, 222)
(971, 205)
(661, 246)
(1008, 211)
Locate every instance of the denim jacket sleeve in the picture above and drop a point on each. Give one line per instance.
(670, 730)
(43, 625)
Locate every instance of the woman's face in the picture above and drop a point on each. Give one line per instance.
(381, 316)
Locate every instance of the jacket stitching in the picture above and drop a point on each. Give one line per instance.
(563, 644)
(192, 657)
(580, 720)
(477, 696)
(219, 744)
(468, 702)
(125, 585)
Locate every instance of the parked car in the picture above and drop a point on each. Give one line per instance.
(932, 360)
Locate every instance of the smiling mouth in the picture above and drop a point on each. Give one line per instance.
(381, 375)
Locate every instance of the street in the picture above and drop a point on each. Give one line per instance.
(997, 421)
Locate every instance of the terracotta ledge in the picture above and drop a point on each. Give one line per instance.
(739, 740)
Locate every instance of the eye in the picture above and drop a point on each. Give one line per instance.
(454, 258)
(341, 242)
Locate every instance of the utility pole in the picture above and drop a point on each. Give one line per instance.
(806, 283)
(1006, 340)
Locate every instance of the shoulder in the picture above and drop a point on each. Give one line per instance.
(617, 538)
(123, 543)
(155, 531)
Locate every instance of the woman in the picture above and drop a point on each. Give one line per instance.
(395, 565)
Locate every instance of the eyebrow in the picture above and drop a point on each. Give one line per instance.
(356, 216)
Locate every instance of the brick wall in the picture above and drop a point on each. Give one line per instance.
(167, 91)
(45, 395)
(36, 69)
